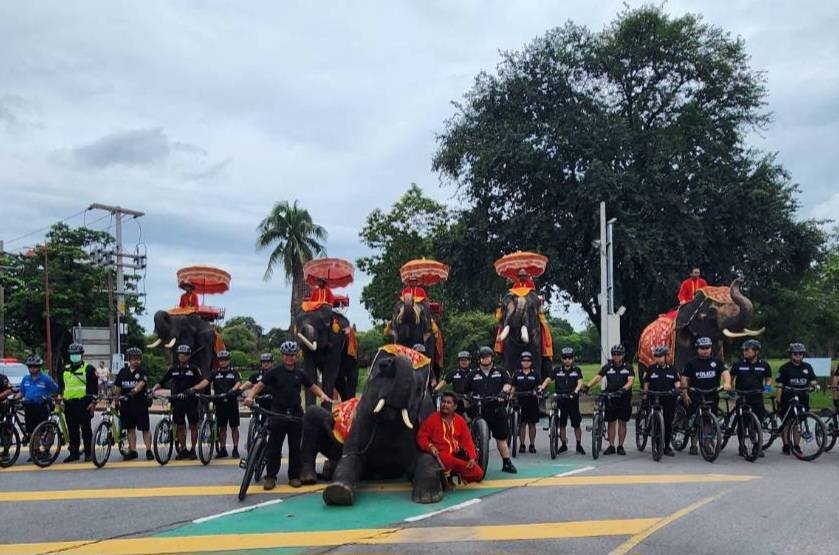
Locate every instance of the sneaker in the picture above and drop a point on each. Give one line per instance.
(295, 482)
(562, 448)
(785, 450)
(269, 483)
(531, 449)
(192, 456)
(580, 449)
(669, 452)
(521, 451)
(235, 453)
(181, 455)
(149, 455)
(610, 450)
(221, 454)
(508, 467)
(693, 450)
(620, 450)
(72, 457)
(88, 457)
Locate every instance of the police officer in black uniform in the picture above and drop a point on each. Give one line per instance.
(663, 378)
(526, 382)
(489, 380)
(703, 372)
(266, 363)
(619, 377)
(750, 373)
(569, 380)
(795, 373)
(134, 412)
(458, 377)
(226, 380)
(285, 382)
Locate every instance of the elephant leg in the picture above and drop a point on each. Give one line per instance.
(347, 474)
(330, 372)
(427, 481)
(310, 368)
(317, 431)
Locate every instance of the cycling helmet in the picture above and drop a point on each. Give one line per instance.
(660, 351)
(751, 344)
(618, 349)
(133, 352)
(184, 349)
(567, 352)
(268, 357)
(464, 354)
(526, 355)
(223, 355)
(795, 348)
(704, 342)
(484, 352)
(419, 347)
(33, 360)
(75, 349)
(289, 348)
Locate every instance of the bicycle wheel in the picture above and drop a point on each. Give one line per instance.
(205, 442)
(832, 430)
(122, 445)
(771, 427)
(750, 436)
(553, 435)
(45, 443)
(641, 431)
(163, 441)
(255, 454)
(480, 437)
(596, 435)
(680, 429)
(725, 429)
(102, 444)
(806, 436)
(709, 436)
(513, 435)
(9, 444)
(657, 435)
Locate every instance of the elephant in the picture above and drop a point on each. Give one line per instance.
(381, 442)
(325, 336)
(188, 329)
(412, 324)
(715, 312)
(521, 329)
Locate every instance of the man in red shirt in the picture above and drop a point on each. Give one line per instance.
(690, 286)
(189, 299)
(415, 290)
(322, 294)
(524, 281)
(445, 435)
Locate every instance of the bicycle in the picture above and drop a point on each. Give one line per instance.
(598, 421)
(702, 424)
(48, 437)
(12, 433)
(771, 425)
(109, 432)
(208, 428)
(256, 420)
(830, 418)
(553, 421)
(479, 428)
(799, 424)
(653, 426)
(745, 423)
(255, 462)
(163, 440)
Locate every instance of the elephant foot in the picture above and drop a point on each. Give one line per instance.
(308, 476)
(338, 494)
(328, 470)
(435, 495)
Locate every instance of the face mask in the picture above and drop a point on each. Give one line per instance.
(75, 358)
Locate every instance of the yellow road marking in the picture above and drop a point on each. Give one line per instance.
(371, 536)
(122, 465)
(636, 540)
(256, 489)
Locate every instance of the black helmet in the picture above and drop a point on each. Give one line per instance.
(223, 355)
(33, 360)
(268, 357)
(75, 349)
(704, 342)
(660, 351)
(464, 354)
(751, 344)
(526, 355)
(484, 352)
(567, 352)
(795, 348)
(618, 349)
(289, 348)
(184, 349)
(133, 352)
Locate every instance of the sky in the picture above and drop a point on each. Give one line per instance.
(202, 115)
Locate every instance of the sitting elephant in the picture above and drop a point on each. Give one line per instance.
(381, 441)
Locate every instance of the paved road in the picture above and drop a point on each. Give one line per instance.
(615, 504)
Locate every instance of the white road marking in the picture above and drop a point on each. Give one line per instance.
(575, 471)
(446, 510)
(236, 511)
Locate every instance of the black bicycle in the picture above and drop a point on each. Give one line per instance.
(653, 426)
(741, 420)
(771, 425)
(256, 420)
(830, 417)
(803, 431)
(553, 421)
(513, 411)
(208, 429)
(12, 433)
(702, 425)
(598, 421)
(478, 426)
(255, 462)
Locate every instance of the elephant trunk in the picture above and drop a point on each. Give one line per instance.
(737, 323)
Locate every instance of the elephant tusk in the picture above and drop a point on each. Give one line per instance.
(379, 406)
(504, 333)
(734, 335)
(156, 343)
(407, 419)
(312, 346)
(754, 332)
(171, 343)
(525, 337)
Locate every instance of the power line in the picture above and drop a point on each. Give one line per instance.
(25, 235)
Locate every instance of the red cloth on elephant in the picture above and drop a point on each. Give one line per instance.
(189, 300)
(344, 414)
(417, 292)
(448, 438)
(526, 283)
(317, 298)
(689, 288)
(660, 332)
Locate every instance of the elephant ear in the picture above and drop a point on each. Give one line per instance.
(689, 311)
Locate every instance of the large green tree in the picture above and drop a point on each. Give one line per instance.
(295, 239)
(650, 115)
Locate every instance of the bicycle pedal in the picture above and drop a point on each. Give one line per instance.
(243, 463)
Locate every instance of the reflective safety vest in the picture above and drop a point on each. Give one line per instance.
(75, 385)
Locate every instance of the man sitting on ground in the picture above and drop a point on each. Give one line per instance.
(445, 435)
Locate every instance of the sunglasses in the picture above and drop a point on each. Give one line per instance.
(703, 348)
(567, 356)
(527, 360)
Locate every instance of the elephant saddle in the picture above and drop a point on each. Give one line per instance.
(344, 414)
(660, 332)
(418, 360)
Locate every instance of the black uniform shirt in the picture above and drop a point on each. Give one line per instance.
(458, 378)
(284, 385)
(796, 375)
(487, 384)
(750, 375)
(704, 373)
(182, 377)
(525, 382)
(616, 376)
(256, 378)
(661, 378)
(223, 380)
(567, 378)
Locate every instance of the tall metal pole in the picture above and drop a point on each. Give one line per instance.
(120, 284)
(604, 286)
(48, 349)
(2, 321)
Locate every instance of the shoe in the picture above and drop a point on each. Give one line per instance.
(580, 449)
(270, 483)
(88, 457)
(181, 455)
(235, 453)
(508, 467)
(610, 450)
(620, 450)
(669, 452)
(761, 454)
(521, 451)
(191, 455)
(562, 448)
(785, 450)
(693, 450)
(295, 482)
(531, 449)
(221, 454)
(149, 455)
(72, 457)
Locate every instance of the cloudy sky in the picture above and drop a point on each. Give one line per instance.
(203, 114)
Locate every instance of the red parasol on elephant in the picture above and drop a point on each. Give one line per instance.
(323, 275)
(201, 280)
(521, 267)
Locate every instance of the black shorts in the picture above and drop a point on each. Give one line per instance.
(529, 409)
(134, 415)
(227, 414)
(569, 408)
(183, 410)
(803, 398)
(619, 408)
(713, 400)
(496, 419)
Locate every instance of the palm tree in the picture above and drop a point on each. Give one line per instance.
(296, 240)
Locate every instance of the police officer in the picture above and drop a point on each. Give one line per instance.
(489, 380)
(795, 373)
(458, 377)
(619, 377)
(226, 380)
(186, 379)
(663, 378)
(284, 383)
(134, 412)
(751, 373)
(703, 372)
(79, 386)
(526, 381)
(36, 388)
(266, 363)
(569, 380)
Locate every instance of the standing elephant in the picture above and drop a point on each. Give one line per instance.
(521, 329)
(188, 329)
(382, 441)
(326, 337)
(414, 323)
(714, 312)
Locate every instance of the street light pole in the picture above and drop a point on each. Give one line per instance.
(48, 349)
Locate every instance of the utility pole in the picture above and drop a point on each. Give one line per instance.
(2, 310)
(118, 212)
(48, 350)
(610, 324)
